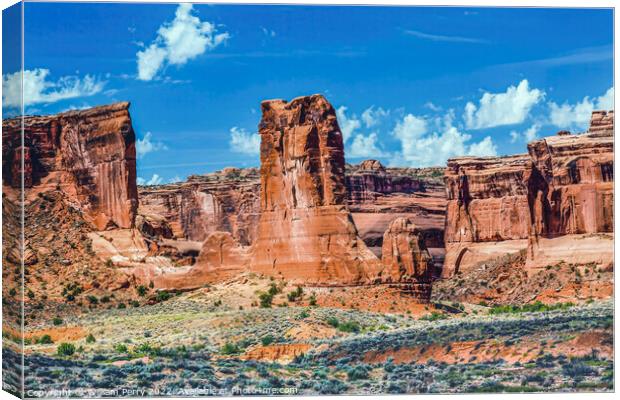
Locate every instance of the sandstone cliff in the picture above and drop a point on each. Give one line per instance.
(90, 155)
(305, 232)
(564, 185)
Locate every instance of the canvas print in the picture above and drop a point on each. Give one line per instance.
(213, 199)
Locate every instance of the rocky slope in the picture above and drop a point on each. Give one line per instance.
(563, 186)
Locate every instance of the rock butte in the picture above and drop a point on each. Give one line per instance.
(563, 186)
(89, 154)
(305, 232)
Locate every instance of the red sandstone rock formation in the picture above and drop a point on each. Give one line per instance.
(305, 232)
(563, 186)
(406, 260)
(221, 201)
(90, 155)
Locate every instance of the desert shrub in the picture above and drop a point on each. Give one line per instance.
(349, 326)
(357, 373)
(312, 300)
(332, 386)
(333, 322)
(90, 338)
(135, 303)
(295, 294)
(434, 316)
(265, 300)
(229, 348)
(142, 290)
(92, 299)
(121, 306)
(120, 348)
(162, 295)
(57, 321)
(267, 340)
(273, 289)
(303, 315)
(65, 349)
(538, 306)
(45, 339)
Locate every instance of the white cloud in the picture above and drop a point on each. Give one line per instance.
(422, 146)
(577, 116)
(268, 32)
(372, 116)
(179, 41)
(496, 109)
(155, 180)
(528, 135)
(365, 146)
(242, 141)
(347, 125)
(444, 38)
(484, 148)
(147, 145)
(38, 89)
(431, 106)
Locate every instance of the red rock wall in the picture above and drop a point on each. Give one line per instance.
(305, 232)
(564, 185)
(89, 154)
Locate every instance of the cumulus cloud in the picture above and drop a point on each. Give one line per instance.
(577, 116)
(365, 147)
(372, 116)
(179, 41)
(147, 145)
(348, 125)
(244, 142)
(425, 143)
(507, 108)
(40, 89)
(155, 180)
(528, 135)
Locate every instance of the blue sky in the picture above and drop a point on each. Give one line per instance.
(412, 86)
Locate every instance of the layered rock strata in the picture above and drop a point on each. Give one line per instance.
(408, 264)
(563, 186)
(90, 155)
(305, 232)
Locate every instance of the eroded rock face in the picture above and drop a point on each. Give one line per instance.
(406, 260)
(564, 185)
(220, 201)
(305, 232)
(89, 154)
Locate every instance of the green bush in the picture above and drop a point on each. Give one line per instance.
(533, 307)
(65, 349)
(434, 316)
(230, 348)
(162, 296)
(267, 340)
(57, 321)
(350, 326)
(92, 299)
(142, 290)
(90, 338)
(45, 339)
(265, 300)
(332, 321)
(120, 348)
(312, 300)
